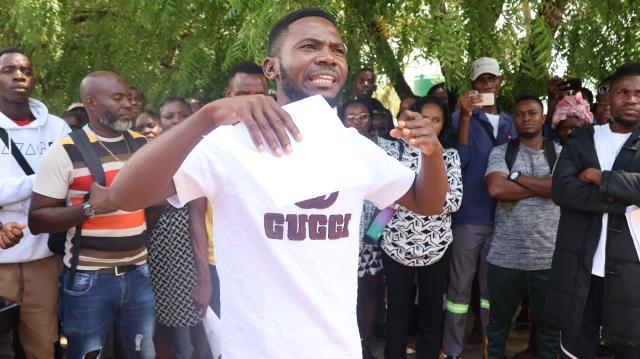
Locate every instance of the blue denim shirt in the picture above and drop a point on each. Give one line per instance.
(477, 207)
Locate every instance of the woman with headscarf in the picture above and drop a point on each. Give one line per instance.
(571, 112)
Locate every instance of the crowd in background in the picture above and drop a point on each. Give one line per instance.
(490, 251)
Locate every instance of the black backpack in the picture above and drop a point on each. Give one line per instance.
(514, 146)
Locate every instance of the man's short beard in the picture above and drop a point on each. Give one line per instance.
(295, 93)
(626, 123)
(528, 135)
(116, 124)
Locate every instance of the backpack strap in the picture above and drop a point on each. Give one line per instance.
(512, 153)
(90, 158)
(488, 128)
(550, 153)
(15, 152)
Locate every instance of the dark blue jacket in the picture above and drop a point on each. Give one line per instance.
(477, 207)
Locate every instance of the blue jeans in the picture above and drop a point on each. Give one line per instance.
(96, 302)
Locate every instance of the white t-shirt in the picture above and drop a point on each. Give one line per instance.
(495, 121)
(288, 275)
(608, 144)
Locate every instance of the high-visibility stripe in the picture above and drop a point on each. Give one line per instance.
(484, 304)
(457, 308)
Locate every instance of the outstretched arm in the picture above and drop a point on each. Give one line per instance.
(428, 193)
(147, 178)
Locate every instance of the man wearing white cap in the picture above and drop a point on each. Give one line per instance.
(481, 125)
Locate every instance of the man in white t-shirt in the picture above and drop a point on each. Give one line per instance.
(595, 273)
(288, 273)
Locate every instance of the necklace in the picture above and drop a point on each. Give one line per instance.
(111, 153)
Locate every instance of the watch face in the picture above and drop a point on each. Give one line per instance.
(514, 176)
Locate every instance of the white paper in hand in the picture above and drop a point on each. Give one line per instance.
(324, 162)
(633, 220)
(211, 324)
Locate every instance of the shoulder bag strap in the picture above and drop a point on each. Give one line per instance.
(550, 153)
(90, 158)
(512, 153)
(16, 153)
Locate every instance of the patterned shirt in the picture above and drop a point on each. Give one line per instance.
(108, 240)
(414, 240)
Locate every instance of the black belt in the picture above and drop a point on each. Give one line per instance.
(117, 271)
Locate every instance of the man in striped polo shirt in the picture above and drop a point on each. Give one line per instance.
(111, 285)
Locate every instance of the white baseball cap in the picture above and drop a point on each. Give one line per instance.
(485, 65)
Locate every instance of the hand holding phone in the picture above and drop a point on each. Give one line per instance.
(486, 99)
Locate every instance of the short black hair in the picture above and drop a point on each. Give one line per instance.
(628, 69)
(246, 67)
(587, 95)
(281, 27)
(529, 97)
(447, 136)
(365, 69)
(172, 99)
(436, 87)
(342, 109)
(11, 50)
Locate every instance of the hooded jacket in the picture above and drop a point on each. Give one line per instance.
(15, 186)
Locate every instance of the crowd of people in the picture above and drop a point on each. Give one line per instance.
(123, 226)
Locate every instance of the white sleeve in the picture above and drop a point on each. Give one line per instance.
(54, 173)
(390, 179)
(15, 189)
(198, 176)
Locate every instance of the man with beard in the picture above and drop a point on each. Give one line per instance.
(105, 278)
(519, 260)
(595, 269)
(28, 270)
(288, 273)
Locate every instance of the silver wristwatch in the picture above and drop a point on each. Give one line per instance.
(513, 176)
(89, 211)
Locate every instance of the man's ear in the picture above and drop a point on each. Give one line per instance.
(89, 103)
(226, 91)
(271, 68)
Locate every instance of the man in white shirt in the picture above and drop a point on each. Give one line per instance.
(28, 270)
(288, 273)
(594, 288)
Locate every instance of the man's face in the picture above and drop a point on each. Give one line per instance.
(624, 101)
(112, 105)
(312, 61)
(528, 118)
(247, 84)
(16, 78)
(488, 83)
(137, 102)
(364, 84)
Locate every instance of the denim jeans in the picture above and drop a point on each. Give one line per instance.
(96, 302)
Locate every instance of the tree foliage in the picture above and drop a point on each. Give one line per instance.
(185, 47)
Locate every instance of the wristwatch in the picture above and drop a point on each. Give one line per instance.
(89, 211)
(513, 176)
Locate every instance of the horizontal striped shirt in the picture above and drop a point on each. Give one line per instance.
(108, 240)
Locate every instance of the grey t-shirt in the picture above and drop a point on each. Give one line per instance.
(525, 231)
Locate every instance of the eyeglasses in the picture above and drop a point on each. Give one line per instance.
(360, 117)
(603, 90)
